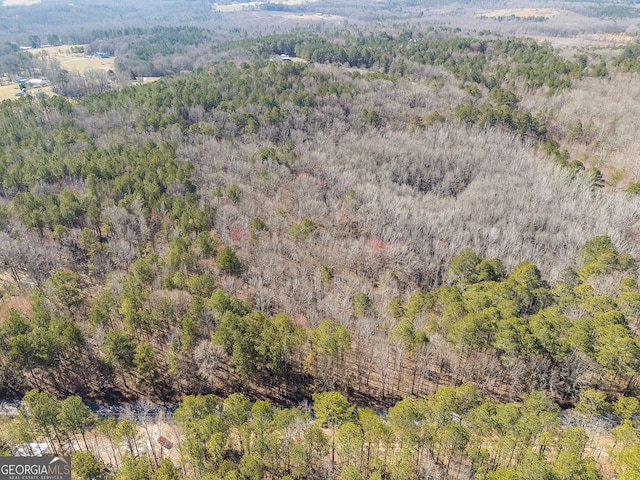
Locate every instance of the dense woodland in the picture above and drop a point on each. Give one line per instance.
(452, 433)
(394, 257)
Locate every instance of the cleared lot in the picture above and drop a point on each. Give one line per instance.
(73, 62)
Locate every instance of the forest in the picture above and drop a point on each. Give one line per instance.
(391, 249)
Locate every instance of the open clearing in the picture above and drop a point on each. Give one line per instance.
(73, 62)
(269, 17)
(8, 91)
(234, 7)
(19, 3)
(526, 12)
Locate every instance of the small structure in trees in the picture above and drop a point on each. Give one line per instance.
(165, 442)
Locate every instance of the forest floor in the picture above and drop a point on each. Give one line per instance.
(21, 304)
(598, 40)
(146, 444)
